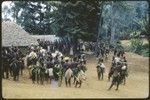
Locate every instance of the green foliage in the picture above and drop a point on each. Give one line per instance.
(35, 17)
(135, 34)
(145, 50)
(78, 19)
(88, 20)
(146, 29)
(136, 45)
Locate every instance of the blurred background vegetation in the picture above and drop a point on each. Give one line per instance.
(89, 20)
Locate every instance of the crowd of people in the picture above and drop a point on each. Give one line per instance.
(45, 61)
(57, 60)
(118, 70)
(53, 64)
(12, 62)
(65, 46)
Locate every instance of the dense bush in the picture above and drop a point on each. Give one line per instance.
(145, 50)
(136, 45)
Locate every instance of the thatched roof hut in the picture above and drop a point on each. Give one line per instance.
(51, 38)
(13, 34)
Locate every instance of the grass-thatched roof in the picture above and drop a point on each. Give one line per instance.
(13, 34)
(51, 38)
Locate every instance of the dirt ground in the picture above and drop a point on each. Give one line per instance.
(137, 85)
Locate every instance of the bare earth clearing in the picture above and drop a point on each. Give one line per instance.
(137, 83)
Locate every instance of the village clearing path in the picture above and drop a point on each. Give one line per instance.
(137, 83)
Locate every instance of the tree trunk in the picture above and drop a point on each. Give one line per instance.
(112, 38)
(100, 22)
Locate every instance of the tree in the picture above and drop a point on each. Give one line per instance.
(34, 17)
(120, 18)
(5, 11)
(87, 20)
(75, 18)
